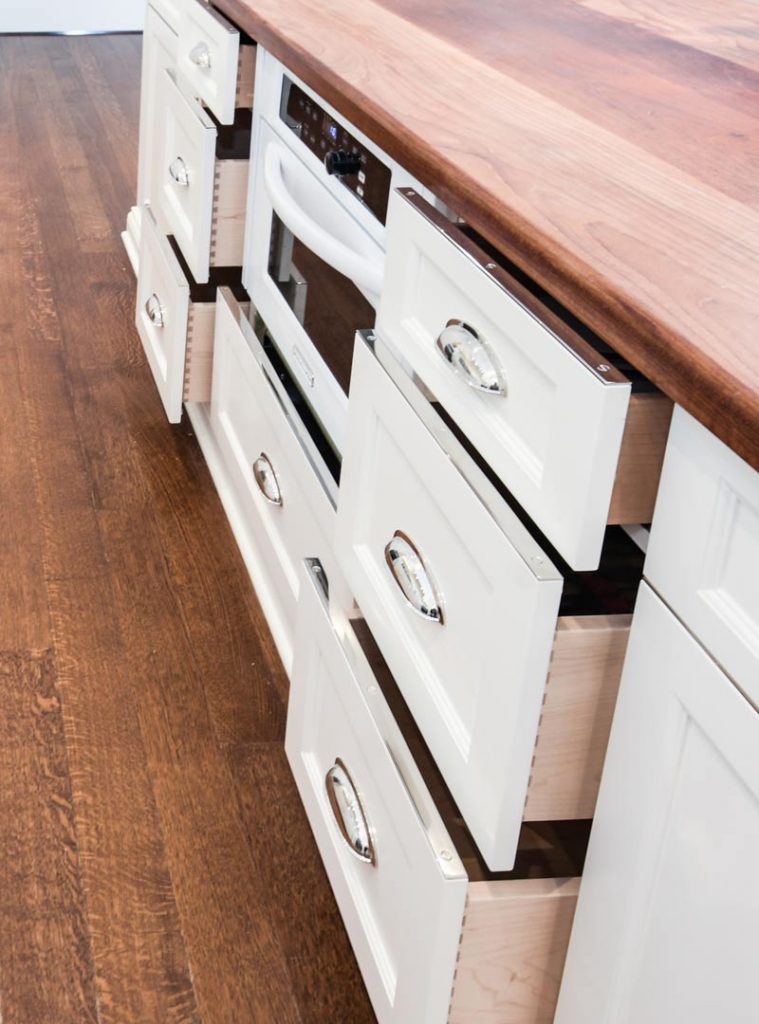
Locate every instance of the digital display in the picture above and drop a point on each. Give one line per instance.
(333, 132)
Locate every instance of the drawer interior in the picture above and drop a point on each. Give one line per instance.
(546, 849)
(219, 277)
(233, 140)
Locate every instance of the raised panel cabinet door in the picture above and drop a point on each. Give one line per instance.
(666, 924)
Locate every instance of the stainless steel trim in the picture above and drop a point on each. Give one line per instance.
(469, 357)
(412, 390)
(178, 171)
(266, 478)
(349, 813)
(200, 55)
(609, 375)
(155, 311)
(412, 577)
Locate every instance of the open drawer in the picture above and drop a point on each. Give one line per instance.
(437, 937)
(553, 416)
(175, 320)
(199, 179)
(284, 510)
(509, 667)
(217, 65)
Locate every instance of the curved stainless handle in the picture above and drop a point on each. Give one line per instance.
(266, 478)
(201, 55)
(348, 812)
(468, 355)
(155, 310)
(178, 171)
(412, 577)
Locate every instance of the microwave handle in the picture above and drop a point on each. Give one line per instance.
(365, 272)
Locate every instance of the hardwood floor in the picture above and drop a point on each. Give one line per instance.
(155, 862)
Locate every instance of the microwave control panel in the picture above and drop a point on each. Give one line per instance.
(362, 173)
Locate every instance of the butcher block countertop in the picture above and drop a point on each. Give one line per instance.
(609, 147)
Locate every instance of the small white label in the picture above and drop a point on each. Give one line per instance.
(361, 177)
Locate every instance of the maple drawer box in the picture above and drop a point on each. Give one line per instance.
(438, 938)
(571, 436)
(508, 660)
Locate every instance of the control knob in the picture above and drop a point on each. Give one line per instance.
(338, 162)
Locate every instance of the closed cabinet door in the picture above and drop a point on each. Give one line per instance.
(666, 925)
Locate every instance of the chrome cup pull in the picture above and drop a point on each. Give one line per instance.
(155, 310)
(412, 577)
(266, 478)
(178, 171)
(200, 55)
(348, 812)
(468, 355)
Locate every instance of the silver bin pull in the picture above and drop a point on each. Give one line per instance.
(178, 171)
(200, 55)
(467, 354)
(266, 478)
(348, 812)
(155, 310)
(411, 575)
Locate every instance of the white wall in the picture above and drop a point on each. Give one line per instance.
(71, 15)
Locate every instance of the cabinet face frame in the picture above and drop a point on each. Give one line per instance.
(159, 50)
(684, 752)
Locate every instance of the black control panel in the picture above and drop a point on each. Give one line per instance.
(343, 156)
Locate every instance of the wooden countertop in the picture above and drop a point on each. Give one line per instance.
(609, 147)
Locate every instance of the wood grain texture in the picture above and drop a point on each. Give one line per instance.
(134, 658)
(640, 459)
(512, 952)
(614, 162)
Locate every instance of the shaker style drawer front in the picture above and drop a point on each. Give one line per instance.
(198, 199)
(402, 914)
(703, 554)
(395, 871)
(286, 514)
(210, 58)
(548, 418)
(176, 333)
(169, 10)
(159, 49)
(466, 617)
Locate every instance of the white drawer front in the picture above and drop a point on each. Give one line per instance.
(475, 682)
(163, 297)
(170, 11)
(703, 555)
(207, 56)
(403, 916)
(554, 436)
(261, 452)
(182, 184)
(158, 53)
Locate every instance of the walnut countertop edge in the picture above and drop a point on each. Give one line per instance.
(610, 150)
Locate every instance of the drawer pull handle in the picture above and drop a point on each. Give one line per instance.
(266, 478)
(412, 577)
(348, 812)
(155, 310)
(201, 55)
(468, 356)
(178, 171)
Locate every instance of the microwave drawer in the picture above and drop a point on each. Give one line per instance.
(514, 700)
(433, 946)
(703, 554)
(554, 418)
(218, 69)
(176, 330)
(284, 513)
(196, 196)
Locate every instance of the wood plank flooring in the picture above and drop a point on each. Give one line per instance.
(155, 862)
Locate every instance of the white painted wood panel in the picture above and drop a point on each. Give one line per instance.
(475, 683)
(247, 422)
(159, 47)
(665, 928)
(207, 56)
(703, 554)
(554, 438)
(184, 137)
(402, 914)
(160, 275)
